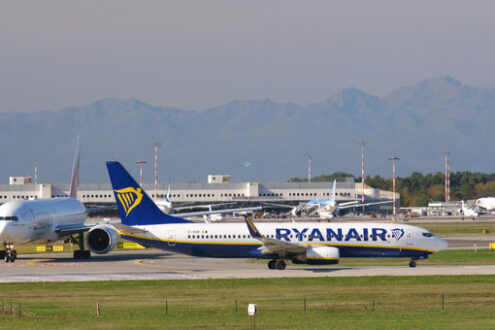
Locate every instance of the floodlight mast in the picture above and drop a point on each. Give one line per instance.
(141, 163)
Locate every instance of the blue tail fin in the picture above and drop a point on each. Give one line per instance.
(333, 189)
(135, 206)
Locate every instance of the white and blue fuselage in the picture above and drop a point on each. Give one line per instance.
(233, 240)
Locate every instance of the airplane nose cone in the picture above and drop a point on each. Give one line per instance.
(441, 244)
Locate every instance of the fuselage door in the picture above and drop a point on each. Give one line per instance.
(409, 238)
(171, 238)
(31, 214)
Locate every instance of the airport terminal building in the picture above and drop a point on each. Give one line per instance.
(218, 189)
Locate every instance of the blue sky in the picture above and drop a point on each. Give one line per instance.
(199, 54)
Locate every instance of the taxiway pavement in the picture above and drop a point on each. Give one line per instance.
(160, 265)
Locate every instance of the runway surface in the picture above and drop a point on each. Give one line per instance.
(156, 264)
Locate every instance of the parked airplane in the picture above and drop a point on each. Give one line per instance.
(305, 242)
(469, 212)
(329, 208)
(49, 220)
(486, 203)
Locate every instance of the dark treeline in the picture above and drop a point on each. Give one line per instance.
(418, 189)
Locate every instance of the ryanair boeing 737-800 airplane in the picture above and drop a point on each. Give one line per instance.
(304, 243)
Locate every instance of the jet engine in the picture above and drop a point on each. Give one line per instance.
(322, 255)
(101, 239)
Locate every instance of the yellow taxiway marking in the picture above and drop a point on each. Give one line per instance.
(32, 262)
(142, 263)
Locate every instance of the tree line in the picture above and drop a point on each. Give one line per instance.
(418, 189)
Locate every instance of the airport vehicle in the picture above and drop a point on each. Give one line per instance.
(304, 242)
(49, 220)
(486, 203)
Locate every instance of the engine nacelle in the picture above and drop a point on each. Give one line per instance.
(322, 255)
(101, 239)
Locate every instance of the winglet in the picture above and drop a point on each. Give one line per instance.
(75, 171)
(252, 228)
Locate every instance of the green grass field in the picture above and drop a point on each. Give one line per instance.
(399, 302)
(367, 302)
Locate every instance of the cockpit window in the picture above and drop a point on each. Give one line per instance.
(8, 218)
(428, 234)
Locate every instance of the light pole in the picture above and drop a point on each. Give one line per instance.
(141, 162)
(393, 159)
(362, 144)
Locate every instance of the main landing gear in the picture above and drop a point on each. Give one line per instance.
(9, 254)
(412, 263)
(276, 264)
(81, 253)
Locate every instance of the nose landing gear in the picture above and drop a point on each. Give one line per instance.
(9, 254)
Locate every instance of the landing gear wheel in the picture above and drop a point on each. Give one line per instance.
(280, 264)
(412, 264)
(10, 255)
(86, 254)
(272, 264)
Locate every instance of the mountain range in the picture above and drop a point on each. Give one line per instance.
(260, 140)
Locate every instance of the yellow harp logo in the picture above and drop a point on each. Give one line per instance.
(129, 198)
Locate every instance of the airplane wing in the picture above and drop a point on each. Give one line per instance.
(68, 230)
(201, 213)
(273, 246)
(355, 204)
(102, 208)
(128, 229)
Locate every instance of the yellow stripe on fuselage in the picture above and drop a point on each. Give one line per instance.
(259, 244)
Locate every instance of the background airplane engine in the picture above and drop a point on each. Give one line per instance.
(322, 255)
(101, 239)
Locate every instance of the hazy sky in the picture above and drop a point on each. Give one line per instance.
(199, 54)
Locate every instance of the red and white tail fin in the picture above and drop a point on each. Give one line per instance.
(75, 171)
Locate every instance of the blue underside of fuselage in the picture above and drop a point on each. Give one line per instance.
(251, 251)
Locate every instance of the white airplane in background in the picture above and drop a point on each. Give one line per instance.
(49, 220)
(468, 211)
(486, 203)
(328, 208)
(304, 242)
